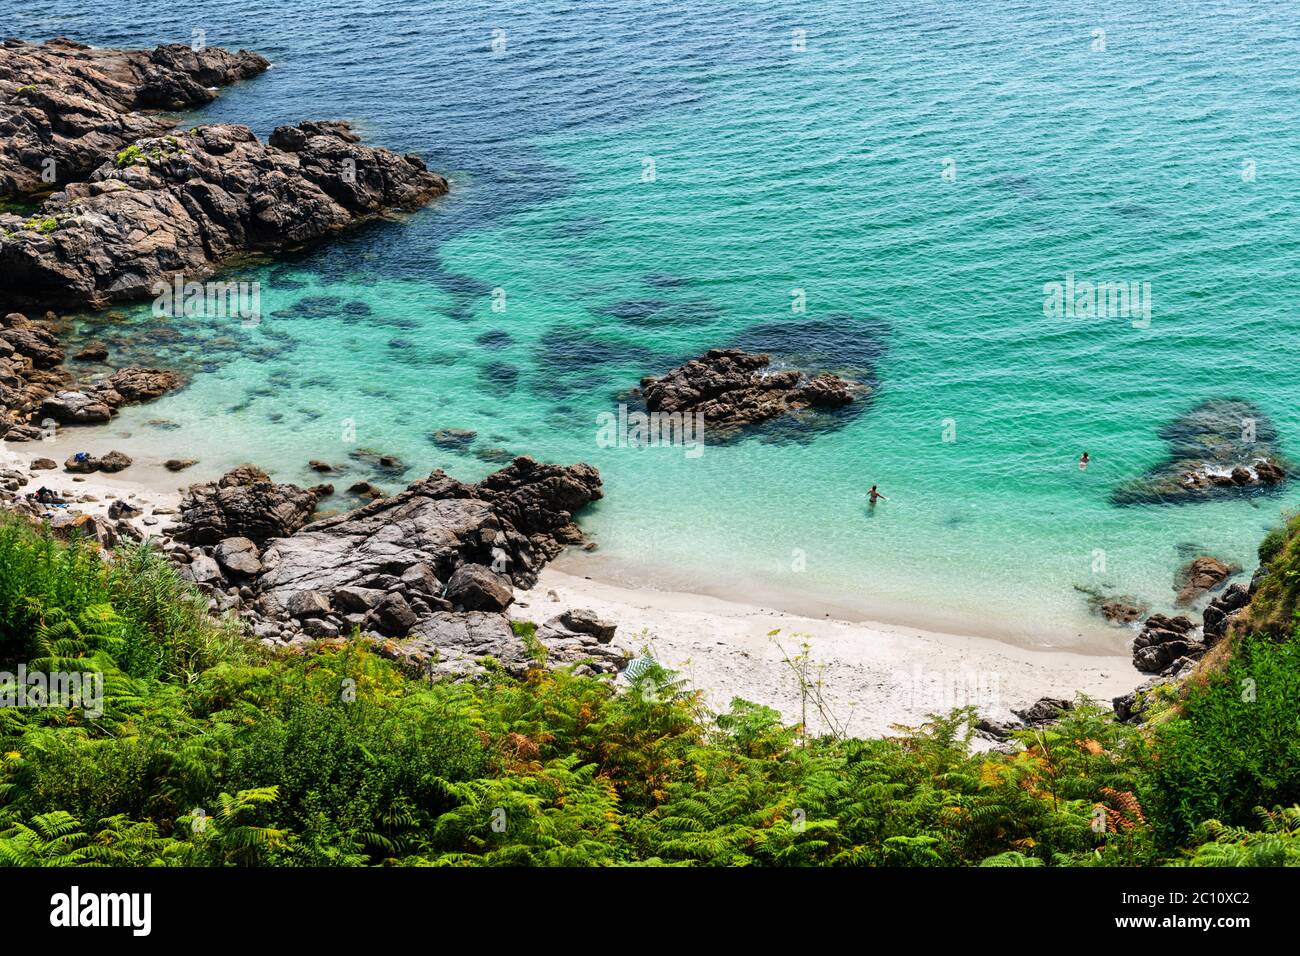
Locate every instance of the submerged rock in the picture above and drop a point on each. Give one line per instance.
(1220, 448)
(97, 403)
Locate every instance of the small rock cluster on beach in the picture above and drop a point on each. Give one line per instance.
(432, 568)
(734, 389)
(1220, 448)
(1171, 646)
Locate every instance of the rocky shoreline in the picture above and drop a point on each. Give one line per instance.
(429, 573)
(65, 106)
(141, 203)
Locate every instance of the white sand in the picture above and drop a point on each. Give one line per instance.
(873, 675)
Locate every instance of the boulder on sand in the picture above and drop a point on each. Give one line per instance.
(85, 464)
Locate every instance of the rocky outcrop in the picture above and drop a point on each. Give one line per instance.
(98, 402)
(1220, 448)
(66, 107)
(1171, 647)
(1129, 708)
(1164, 640)
(173, 208)
(244, 503)
(1044, 711)
(1199, 576)
(431, 570)
(485, 537)
(734, 389)
(30, 370)
(35, 389)
(1222, 611)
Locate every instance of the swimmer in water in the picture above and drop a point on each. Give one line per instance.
(875, 496)
(1083, 462)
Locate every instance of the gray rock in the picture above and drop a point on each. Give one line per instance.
(122, 509)
(75, 408)
(1045, 710)
(246, 504)
(391, 617)
(585, 621)
(317, 627)
(478, 588)
(202, 570)
(308, 604)
(239, 556)
(353, 599)
(420, 579)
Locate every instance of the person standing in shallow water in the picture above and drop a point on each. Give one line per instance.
(873, 496)
(1083, 462)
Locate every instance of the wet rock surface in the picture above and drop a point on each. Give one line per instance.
(1200, 576)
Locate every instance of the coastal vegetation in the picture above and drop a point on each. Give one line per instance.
(213, 751)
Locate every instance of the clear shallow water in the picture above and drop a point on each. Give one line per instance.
(777, 170)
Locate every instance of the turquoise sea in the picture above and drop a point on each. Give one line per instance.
(919, 170)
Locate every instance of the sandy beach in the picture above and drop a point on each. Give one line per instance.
(873, 675)
(147, 486)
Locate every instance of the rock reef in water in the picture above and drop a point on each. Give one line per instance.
(36, 389)
(65, 106)
(734, 389)
(1220, 448)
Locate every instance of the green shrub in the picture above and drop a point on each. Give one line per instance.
(129, 156)
(1235, 746)
(211, 751)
